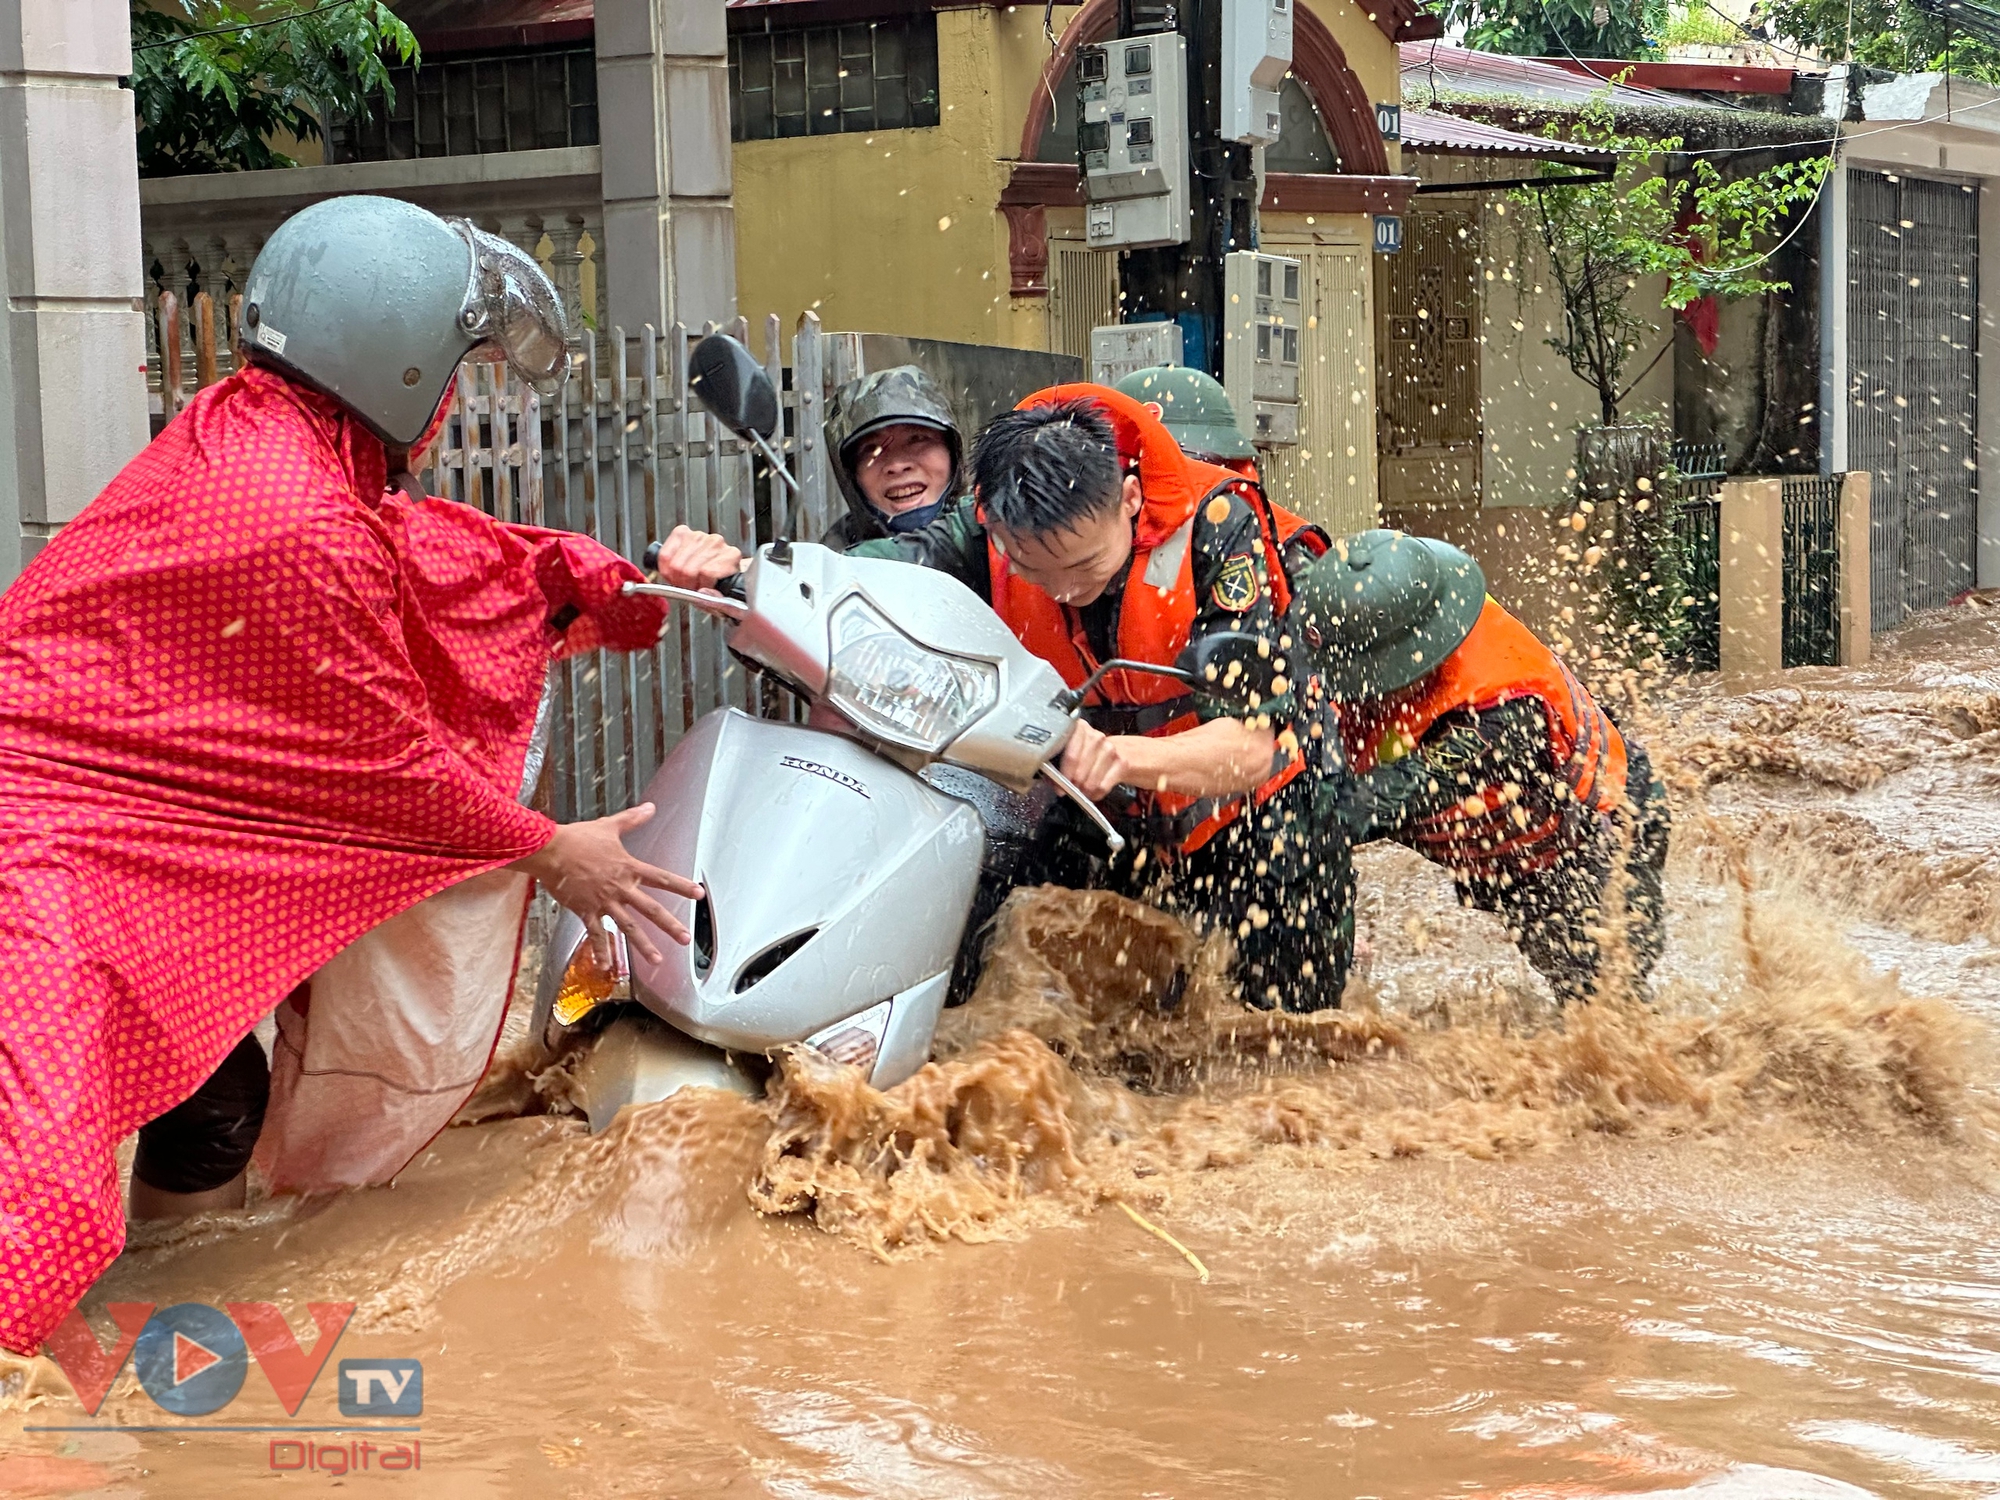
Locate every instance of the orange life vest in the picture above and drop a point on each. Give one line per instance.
(1499, 662)
(1160, 603)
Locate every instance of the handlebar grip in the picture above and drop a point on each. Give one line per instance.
(732, 588)
(650, 558)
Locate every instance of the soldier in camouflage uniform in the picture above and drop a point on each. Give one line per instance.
(897, 453)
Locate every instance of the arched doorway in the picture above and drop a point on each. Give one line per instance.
(1331, 158)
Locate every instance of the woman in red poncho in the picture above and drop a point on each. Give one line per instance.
(265, 721)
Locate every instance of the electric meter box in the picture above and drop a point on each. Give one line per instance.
(1256, 55)
(1122, 348)
(1132, 138)
(1264, 321)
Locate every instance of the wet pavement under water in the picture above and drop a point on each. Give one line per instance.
(1739, 1243)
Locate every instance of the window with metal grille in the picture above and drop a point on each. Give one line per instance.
(464, 106)
(824, 80)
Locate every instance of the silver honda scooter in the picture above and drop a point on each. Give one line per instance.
(839, 859)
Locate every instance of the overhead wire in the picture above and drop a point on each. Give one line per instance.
(302, 15)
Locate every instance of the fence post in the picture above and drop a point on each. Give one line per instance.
(170, 356)
(204, 341)
(1753, 577)
(1856, 602)
(809, 390)
(774, 366)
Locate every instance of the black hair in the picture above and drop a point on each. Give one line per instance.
(1047, 468)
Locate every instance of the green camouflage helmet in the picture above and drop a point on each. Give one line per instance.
(1193, 407)
(1382, 608)
(901, 396)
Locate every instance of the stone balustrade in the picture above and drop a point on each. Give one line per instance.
(202, 233)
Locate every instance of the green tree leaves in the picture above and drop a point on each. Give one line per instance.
(1704, 230)
(1558, 28)
(215, 83)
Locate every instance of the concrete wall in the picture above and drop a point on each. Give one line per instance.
(1531, 405)
(1531, 401)
(72, 403)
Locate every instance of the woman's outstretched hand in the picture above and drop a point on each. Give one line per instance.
(588, 870)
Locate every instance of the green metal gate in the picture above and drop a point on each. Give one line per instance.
(1698, 526)
(1812, 571)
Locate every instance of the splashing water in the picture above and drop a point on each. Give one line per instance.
(1730, 1239)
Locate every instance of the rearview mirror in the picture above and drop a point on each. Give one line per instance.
(727, 379)
(1233, 666)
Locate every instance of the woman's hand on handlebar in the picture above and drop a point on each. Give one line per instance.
(588, 870)
(690, 559)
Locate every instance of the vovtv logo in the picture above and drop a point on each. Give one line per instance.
(192, 1359)
(381, 1388)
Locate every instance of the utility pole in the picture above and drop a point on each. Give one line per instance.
(1184, 282)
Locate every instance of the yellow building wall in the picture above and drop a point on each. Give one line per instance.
(1531, 402)
(1371, 56)
(1330, 477)
(893, 232)
(898, 232)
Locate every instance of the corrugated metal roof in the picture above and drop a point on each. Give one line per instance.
(481, 15)
(1431, 69)
(1448, 135)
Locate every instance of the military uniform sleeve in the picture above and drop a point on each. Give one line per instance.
(1232, 586)
(954, 543)
(1463, 753)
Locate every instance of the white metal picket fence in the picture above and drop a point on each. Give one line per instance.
(623, 455)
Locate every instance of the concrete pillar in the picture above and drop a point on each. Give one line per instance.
(1856, 611)
(1833, 402)
(73, 355)
(1986, 558)
(1753, 577)
(663, 104)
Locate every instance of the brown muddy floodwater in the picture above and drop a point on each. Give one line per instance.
(1739, 1244)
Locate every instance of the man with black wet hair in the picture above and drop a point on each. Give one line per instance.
(1095, 538)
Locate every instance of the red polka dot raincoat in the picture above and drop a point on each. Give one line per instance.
(251, 706)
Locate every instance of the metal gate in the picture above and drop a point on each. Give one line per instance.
(1811, 618)
(1913, 404)
(1698, 526)
(1083, 294)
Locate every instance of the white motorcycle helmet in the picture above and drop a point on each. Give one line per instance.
(375, 301)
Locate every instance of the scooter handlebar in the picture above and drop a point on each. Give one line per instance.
(730, 587)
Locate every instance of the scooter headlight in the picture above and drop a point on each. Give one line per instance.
(899, 691)
(587, 984)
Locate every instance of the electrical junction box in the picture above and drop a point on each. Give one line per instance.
(1122, 348)
(1263, 307)
(1132, 136)
(1256, 55)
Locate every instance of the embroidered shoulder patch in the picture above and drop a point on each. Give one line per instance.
(1236, 586)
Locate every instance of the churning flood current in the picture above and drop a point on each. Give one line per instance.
(1737, 1243)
